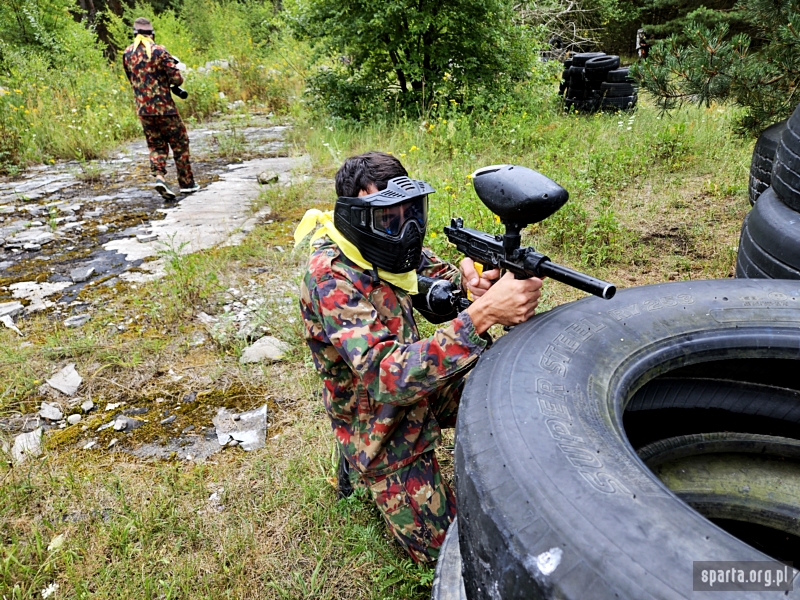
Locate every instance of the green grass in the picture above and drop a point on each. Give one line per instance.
(651, 195)
(660, 201)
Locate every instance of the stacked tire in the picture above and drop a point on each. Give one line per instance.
(594, 81)
(769, 245)
(557, 499)
(763, 159)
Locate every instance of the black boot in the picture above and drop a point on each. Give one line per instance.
(345, 487)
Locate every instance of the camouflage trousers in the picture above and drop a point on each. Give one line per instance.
(415, 501)
(165, 132)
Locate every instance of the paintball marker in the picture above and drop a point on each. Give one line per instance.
(518, 196)
(179, 92)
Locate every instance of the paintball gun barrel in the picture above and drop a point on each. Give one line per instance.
(518, 196)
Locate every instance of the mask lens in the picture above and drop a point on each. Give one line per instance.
(390, 220)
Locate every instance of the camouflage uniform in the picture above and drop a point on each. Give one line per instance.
(151, 79)
(387, 392)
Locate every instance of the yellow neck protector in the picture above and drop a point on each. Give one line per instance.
(145, 41)
(405, 281)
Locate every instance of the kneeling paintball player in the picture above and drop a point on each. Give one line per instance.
(153, 72)
(387, 392)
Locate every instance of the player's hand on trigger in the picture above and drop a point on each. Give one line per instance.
(508, 302)
(475, 280)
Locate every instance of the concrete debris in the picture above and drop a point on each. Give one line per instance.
(267, 177)
(77, 320)
(81, 274)
(51, 412)
(250, 430)
(67, 381)
(74, 419)
(9, 323)
(268, 348)
(27, 444)
(12, 309)
(87, 405)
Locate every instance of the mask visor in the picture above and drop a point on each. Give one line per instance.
(391, 219)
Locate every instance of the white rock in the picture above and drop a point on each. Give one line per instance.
(67, 381)
(146, 237)
(9, 324)
(77, 320)
(113, 406)
(250, 430)
(267, 348)
(81, 274)
(12, 309)
(87, 405)
(74, 419)
(56, 542)
(51, 412)
(27, 444)
(120, 424)
(267, 177)
(90, 445)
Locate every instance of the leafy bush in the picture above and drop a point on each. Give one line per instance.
(403, 54)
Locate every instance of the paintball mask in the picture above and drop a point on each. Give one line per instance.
(388, 226)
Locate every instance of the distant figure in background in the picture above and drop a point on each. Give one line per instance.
(556, 51)
(642, 47)
(152, 71)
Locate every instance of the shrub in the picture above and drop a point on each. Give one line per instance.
(378, 55)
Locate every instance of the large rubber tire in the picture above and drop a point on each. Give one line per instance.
(579, 60)
(769, 246)
(763, 159)
(620, 76)
(602, 64)
(553, 500)
(617, 90)
(670, 407)
(748, 478)
(624, 103)
(447, 581)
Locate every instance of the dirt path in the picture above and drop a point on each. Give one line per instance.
(69, 225)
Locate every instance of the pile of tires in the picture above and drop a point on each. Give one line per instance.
(769, 245)
(580, 434)
(763, 158)
(594, 81)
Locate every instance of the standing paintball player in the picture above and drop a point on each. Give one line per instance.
(387, 391)
(152, 71)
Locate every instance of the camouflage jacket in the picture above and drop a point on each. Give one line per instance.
(378, 375)
(151, 79)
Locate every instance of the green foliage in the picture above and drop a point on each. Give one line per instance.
(60, 97)
(715, 66)
(402, 54)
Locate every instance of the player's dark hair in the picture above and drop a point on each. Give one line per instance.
(358, 172)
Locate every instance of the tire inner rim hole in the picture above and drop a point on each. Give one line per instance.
(723, 435)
